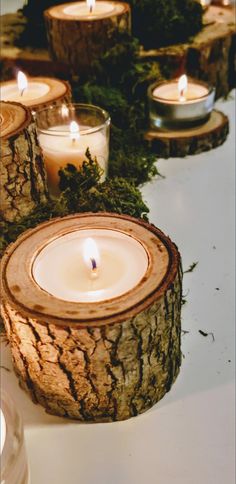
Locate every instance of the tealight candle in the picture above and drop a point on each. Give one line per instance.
(92, 9)
(180, 103)
(90, 265)
(66, 134)
(34, 92)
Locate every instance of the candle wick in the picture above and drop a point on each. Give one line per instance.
(22, 92)
(94, 272)
(90, 9)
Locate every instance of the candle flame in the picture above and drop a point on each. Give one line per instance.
(74, 131)
(91, 5)
(64, 111)
(22, 82)
(91, 255)
(182, 87)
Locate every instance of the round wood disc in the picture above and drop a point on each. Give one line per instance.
(179, 143)
(25, 295)
(14, 117)
(57, 90)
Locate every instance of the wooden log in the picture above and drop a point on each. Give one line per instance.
(78, 41)
(22, 174)
(57, 92)
(177, 144)
(210, 56)
(95, 362)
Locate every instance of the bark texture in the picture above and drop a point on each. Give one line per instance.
(210, 56)
(78, 43)
(99, 374)
(175, 144)
(23, 182)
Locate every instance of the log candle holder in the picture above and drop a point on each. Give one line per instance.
(110, 358)
(22, 174)
(78, 35)
(40, 92)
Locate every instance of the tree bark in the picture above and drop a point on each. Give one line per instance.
(78, 43)
(106, 369)
(177, 144)
(22, 174)
(210, 56)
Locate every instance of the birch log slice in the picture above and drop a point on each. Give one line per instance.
(95, 362)
(22, 175)
(184, 142)
(210, 56)
(57, 92)
(78, 41)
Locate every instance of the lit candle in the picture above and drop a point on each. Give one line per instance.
(68, 141)
(92, 10)
(180, 102)
(34, 92)
(90, 265)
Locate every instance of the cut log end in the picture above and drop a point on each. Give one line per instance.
(105, 368)
(213, 133)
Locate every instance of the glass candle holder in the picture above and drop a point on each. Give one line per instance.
(66, 132)
(14, 466)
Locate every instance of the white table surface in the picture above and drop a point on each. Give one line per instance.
(188, 437)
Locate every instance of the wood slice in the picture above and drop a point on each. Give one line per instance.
(101, 361)
(210, 56)
(22, 175)
(59, 92)
(177, 144)
(78, 42)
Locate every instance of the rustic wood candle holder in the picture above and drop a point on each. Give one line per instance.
(59, 93)
(22, 174)
(78, 42)
(95, 362)
(183, 142)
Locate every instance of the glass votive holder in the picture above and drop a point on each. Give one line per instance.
(14, 465)
(66, 132)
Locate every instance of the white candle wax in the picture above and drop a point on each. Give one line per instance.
(61, 270)
(3, 430)
(101, 9)
(33, 92)
(169, 92)
(59, 150)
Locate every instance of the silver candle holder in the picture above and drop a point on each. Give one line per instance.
(180, 104)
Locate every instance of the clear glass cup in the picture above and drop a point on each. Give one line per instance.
(14, 465)
(65, 133)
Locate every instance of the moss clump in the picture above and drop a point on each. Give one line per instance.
(158, 23)
(81, 192)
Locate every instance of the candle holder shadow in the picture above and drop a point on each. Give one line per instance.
(178, 143)
(95, 362)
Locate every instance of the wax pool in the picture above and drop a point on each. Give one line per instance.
(61, 270)
(170, 92)
(33, 92)
(100, 10)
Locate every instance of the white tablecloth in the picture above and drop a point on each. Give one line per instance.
(188, 437)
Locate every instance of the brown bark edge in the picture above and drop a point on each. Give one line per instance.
(179, 144)
(23, 182)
